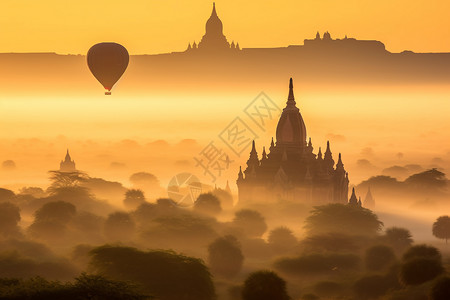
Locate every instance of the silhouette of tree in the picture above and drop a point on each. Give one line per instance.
(371, 287)
(264, 285)
(119, 226)
(225, 198)
(422, 251)
(441, 228)
(133, 198)
(379, 257)
(144, 179)
(6, 195)
(9, 219)
(252, 222)
(33, 191)
(282, 240)
(164, 274)
(312, 264)
(66, 180)
(419, 270)
(399, 238)
(59, 212)
(328, 289)
(225, 256)
(428, 180)
(207, 204)
(341, 218)
(332, 242)
(441, 289)
(85, 287)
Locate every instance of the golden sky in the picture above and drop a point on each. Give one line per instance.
(155, 26)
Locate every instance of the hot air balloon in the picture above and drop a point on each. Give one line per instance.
(107, 62)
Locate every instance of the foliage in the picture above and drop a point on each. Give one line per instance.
(6, 195)
(419, 270)
(133, 198)
(59, 212)
(164, 274)
(9, 219)
(317, 263)
(225, 256)
(379, 257)
(264, 285)
(85, 287)
(398, 238)
(282, 240)
(342, 218)
(61, 179)
(119, 226)
(208, 204)
(252, 222)
(422, 251)
(428, 180)
(371, 287)
(332, 242)
(441, 289)
(441, 228)
(225, 198)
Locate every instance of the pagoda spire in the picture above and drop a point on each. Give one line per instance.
(353, 199)
(291, 98)
(319, 155)
(264, 155)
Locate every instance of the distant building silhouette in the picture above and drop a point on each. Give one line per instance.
(369, 201)
(326, 42)
(67, 165)
(353, 201)
(291, 171)
(214, 40)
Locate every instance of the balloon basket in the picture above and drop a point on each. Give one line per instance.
(107, 93)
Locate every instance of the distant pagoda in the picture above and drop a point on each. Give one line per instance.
(67, 165)
(214, 40)
(290, 170)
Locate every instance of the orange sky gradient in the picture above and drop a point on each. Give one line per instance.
(150, 26)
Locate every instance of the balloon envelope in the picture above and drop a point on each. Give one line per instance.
(107, 62)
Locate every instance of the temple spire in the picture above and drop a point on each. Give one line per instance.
(291, 99)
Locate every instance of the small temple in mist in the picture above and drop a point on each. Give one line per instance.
(290, 170)
(67, 165)
(214, 40)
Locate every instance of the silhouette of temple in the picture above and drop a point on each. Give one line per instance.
(214, 40)
(369, 201)
(291, 171)
(67, 165)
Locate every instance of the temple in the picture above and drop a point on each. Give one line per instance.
(290, 171)
(67, 165)
(214, 40)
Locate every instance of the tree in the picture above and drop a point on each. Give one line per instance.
(428, 180)
(207, 204)
(264, 285)
(422, 251)
(85, 287)
(61, 180)
(225, 256)
(371, 287)
(133, 198)
(225, 198)
(441, 289)
(9, 219)
(340, 218)
(6, 195)
(282, 240)
(379, 257)
(252, 222)
(419, 270)
(441, 228)
(59, 212)
(399, 238)
(119, 226)
(164, 274)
